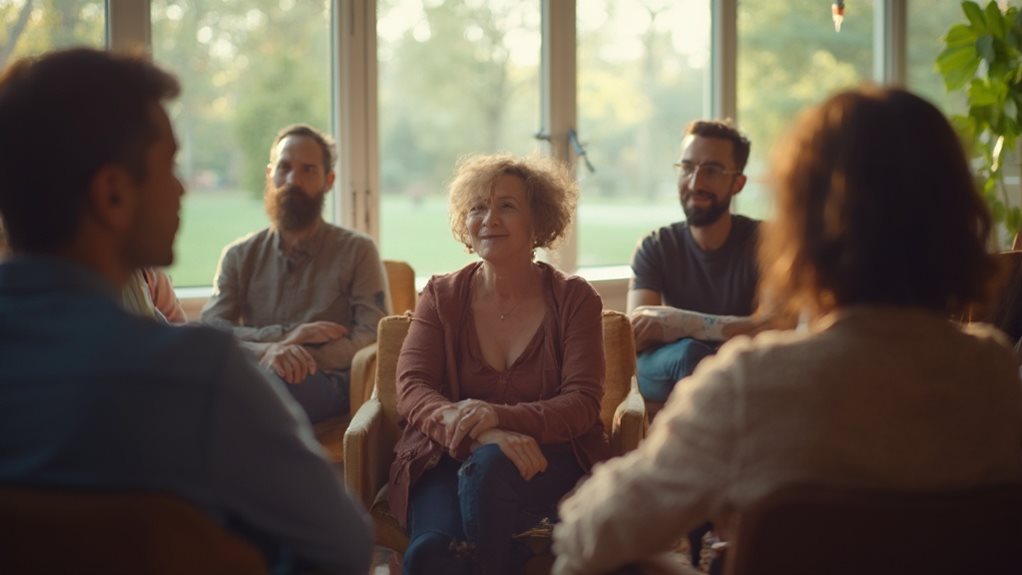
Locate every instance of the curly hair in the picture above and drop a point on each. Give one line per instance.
(875, 206)
(550, 188)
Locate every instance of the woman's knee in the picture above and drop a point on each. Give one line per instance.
(487, 478)
(487, 462)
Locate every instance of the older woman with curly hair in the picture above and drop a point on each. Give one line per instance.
(500, 378)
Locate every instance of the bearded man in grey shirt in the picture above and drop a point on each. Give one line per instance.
(302, 295)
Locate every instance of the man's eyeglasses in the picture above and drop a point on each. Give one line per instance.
(710, 172)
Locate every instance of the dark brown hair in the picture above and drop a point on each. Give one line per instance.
(326, 144)
(63, 116)
(723, 130)
(875, 205)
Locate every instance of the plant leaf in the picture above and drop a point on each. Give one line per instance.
(960, 36)
(1014, 220)
(996, 209)
(957, 66)
(975, 16)
(985, 48)
(982, 94)
(995, 20)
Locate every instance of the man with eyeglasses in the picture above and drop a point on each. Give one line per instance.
(694, 282)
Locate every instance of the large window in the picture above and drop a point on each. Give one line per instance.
(928, 22)
(247, 69)
(34, 26)
(642, 69)
(455, 77)
(790, 57)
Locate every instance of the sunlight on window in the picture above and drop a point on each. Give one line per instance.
(247, 69)
(455, 77)
(928, 22)
(790, 57)
(642, 73)
(28, 28)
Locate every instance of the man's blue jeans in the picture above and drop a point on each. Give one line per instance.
(322, 395)
(659, 369)
(461, 516)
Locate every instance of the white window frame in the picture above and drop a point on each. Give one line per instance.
(355, 106)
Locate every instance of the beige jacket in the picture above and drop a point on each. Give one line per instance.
(872, 398)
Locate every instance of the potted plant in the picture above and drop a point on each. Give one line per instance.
(983, 57)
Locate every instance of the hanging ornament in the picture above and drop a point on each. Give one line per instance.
(837, 12)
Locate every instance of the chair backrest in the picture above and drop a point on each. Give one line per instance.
(618, 345)
(619, 351)
(389, 339)
(812, 530)
(56, 531)
(401, 285)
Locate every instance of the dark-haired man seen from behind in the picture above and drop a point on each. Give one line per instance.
(95, 398)
(302, 295)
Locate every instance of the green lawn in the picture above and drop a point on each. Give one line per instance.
(209, 221)
(419, 234)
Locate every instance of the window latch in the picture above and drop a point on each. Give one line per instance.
(577, 146)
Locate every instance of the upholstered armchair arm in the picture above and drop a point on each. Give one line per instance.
(365, 465)
(363, 374)
(629, 422)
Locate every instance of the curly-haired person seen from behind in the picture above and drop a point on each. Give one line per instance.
(500, 378)
(882, 392)
(96, 399)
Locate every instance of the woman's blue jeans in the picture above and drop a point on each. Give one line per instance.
(461, 515)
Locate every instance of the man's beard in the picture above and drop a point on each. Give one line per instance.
(699, 217)
(292, 209)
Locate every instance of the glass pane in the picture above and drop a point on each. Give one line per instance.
(790, 57)
(455, 77)
(642, 73)
(928, 22)
(28, 27)
(247, 69)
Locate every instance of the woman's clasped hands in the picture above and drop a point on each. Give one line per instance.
(477, 420)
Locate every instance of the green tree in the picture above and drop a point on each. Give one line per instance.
(35, 26)
(449, 86)
(247, 68)
(790, 57)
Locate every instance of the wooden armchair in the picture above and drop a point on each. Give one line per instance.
(58, 531)
(811, 530)
(370, 439)
(330, 433)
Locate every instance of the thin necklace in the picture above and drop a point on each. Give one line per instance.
(505, 314)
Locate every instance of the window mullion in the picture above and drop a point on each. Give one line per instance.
(559, 101)
(354, 113)
(889, 46)
(723, 84)
(128, 25)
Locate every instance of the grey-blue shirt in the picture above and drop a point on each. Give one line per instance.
(94, 397)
